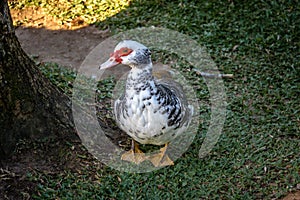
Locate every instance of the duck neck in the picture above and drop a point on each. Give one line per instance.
(139, 78)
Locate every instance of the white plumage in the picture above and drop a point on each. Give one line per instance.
(150, 111)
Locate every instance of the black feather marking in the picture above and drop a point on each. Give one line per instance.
(172, 112)
(165, 111)
(158, 134)
(178, 125)
(154, 93)
(146, 98)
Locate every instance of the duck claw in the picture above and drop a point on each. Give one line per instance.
(134, 155)
(161, 159)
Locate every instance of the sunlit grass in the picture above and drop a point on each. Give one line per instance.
(65, 11)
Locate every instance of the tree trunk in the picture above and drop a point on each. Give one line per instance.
(30, 106)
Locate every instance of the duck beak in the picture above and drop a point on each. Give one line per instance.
(109, 63)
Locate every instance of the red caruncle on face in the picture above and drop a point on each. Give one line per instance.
(124, 51)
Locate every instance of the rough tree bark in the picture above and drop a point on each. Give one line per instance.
(30, 106)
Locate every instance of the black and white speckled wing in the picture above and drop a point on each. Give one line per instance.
(165, 115)
(174, 104)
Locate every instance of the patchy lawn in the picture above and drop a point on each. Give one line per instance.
(258, 155)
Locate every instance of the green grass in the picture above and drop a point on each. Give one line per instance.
(89, 10)
(258, 155)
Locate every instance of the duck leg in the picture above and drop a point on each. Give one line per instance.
(161, 159)
(134, 155)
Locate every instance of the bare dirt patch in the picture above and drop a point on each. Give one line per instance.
(293, 196)
(47, 40)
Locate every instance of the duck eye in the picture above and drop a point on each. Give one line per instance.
(125, 51)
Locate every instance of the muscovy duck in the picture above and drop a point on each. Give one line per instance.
(149, 111)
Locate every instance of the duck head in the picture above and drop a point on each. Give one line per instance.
(129, 53)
